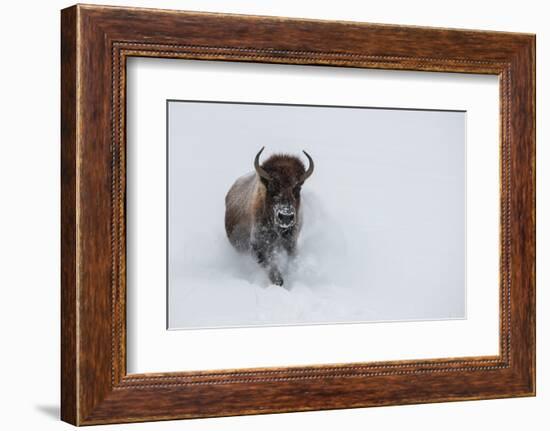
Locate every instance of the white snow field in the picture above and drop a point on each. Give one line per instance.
(383, 236)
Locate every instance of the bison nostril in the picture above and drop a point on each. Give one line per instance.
(285, 218)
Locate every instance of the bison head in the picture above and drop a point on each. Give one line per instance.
(283, 176)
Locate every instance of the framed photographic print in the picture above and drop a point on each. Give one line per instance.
(322, 238)
(267, 214)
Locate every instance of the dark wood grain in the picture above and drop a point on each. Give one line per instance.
(96, 41)
(69, 398)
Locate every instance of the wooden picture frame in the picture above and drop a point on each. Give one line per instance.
(95, 43)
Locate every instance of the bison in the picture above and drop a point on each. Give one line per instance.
(262, 210)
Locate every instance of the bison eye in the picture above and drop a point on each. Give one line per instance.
(297, 190)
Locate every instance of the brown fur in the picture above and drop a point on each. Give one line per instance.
(285, 168)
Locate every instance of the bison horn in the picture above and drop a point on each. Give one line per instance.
(261, 171)
(309, 169)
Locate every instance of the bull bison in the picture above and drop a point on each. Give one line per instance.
(262, 210)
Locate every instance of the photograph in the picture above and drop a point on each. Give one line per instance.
(287, 214)
(276, 209)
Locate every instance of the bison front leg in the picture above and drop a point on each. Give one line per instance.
(264, 257)
(275, 276)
